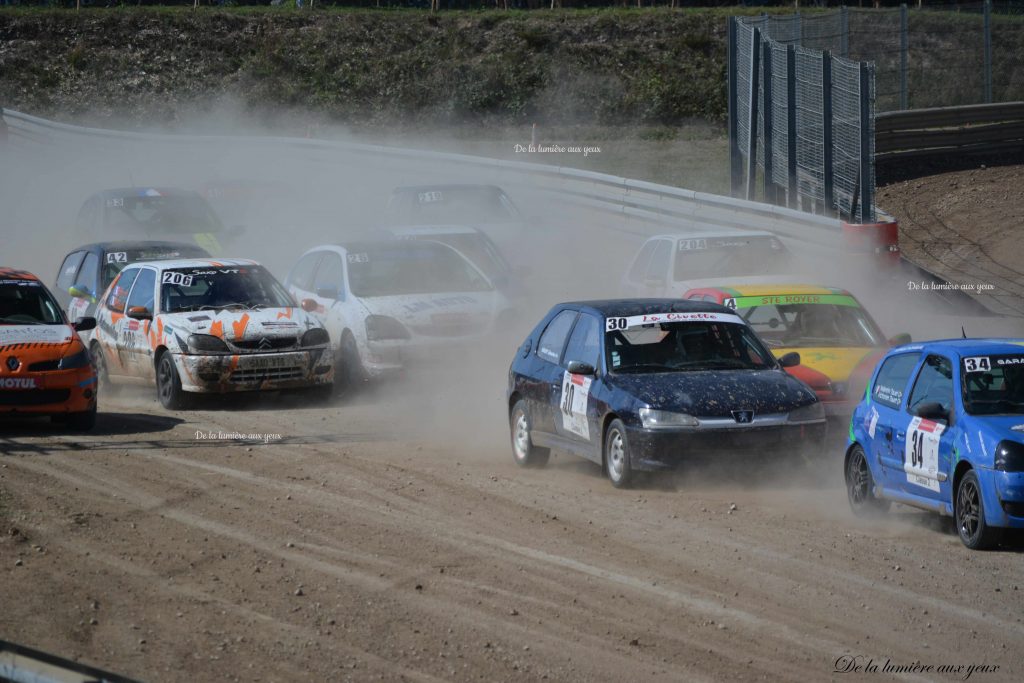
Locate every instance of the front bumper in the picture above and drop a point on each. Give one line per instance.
(666, 449)
(226, 373)
(55, 392)
(1003, 496)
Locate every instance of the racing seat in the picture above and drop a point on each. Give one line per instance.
(815, 321)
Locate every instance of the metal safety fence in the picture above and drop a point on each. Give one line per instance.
(800, 118)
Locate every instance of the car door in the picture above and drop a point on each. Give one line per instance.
(113, 324)
(329, 292)
(545, 387)
(885, 416)
(656, 277)
(577, 415)
(927, 444)
(632, 283)
(87, 277)
(138, 354)
(65, 278)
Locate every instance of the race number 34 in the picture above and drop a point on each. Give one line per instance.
(977, 364)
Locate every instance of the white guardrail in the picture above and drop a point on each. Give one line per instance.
(644, 201)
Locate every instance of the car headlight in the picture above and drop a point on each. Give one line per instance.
(380, 327)
(206, 343)
(657, 419)
(1009, 456)
(75, 360)
(812, 413)
(316, 337)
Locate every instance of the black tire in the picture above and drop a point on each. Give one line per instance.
(321, 393)
(523, 450)
(348, 367)
(616, 455)
(168, 384)
(860, 486)
(82, 422)
(99, 366)
(970, 515)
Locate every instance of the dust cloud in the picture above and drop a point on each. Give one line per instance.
(289, 199)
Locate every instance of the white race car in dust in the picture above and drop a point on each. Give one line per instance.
(388, 303)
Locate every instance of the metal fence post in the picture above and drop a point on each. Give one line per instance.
(844, 31)
(799, 27)
(988, 51)
(755, 69)
(904, 95)
(826, 130)
(735, 155)
(793, 191)
(867, 189)
(766, 74)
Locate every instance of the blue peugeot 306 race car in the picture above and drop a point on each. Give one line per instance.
(941, 427)
(649, 384)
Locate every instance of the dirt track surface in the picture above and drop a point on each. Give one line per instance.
(965, 226)
(357, 549)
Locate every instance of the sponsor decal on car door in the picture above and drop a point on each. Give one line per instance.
(575, 396)
(921, 453)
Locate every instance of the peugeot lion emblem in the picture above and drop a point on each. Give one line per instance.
(743, 417)
(12, 363)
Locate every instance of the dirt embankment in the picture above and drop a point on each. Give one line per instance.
(965, 226)
(367, 68)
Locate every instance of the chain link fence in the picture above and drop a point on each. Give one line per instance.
(801, 116)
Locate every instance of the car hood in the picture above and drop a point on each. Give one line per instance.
(715, 393)
(444, 314)
(1010, 427)
(836, 363)
(14, 337)
(237, 325)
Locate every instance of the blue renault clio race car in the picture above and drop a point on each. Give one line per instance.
(941, 427)
(649, 384)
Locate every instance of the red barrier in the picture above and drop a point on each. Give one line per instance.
(880, 239)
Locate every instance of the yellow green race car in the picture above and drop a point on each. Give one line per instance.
(837, 339)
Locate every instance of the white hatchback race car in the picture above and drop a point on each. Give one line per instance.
(208, 326)
(388, 303)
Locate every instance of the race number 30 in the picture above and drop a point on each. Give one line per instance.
(612, 324)
(173, 278)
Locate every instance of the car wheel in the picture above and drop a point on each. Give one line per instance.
(348, 368)
(970, 515)
(321, 393)
(616, 455)
(168, 384)
(523, 450)
(99, 366)
(860, 486)
(83, 421)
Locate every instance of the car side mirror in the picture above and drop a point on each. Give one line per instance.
(309, 305)
(932, 411)
(81, 292)
(236, 231)
(790, 359)
(84, 324)
(900, 339)
(578, 367)
(140, 313)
